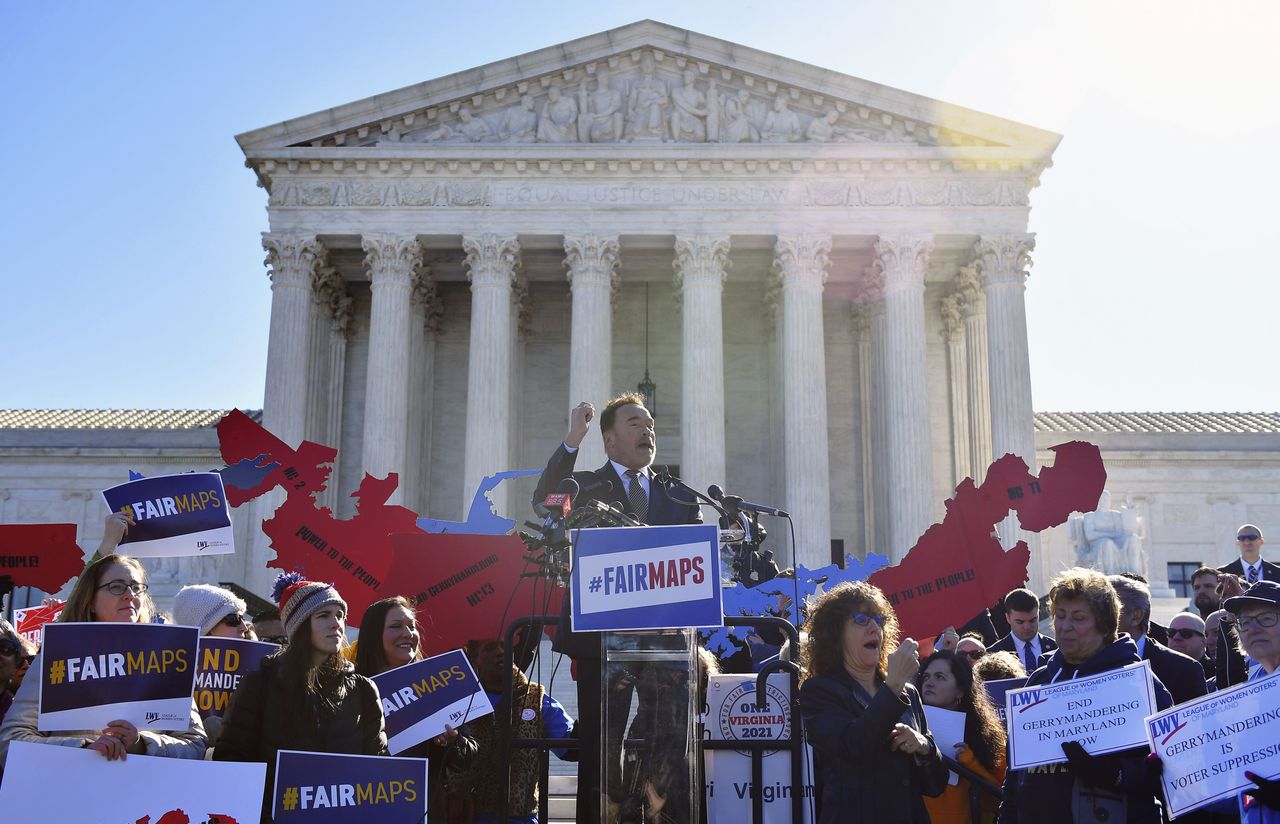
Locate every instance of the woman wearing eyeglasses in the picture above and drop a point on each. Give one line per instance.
(874, 759)
(14, 659)
(112, 589)
(947, 681)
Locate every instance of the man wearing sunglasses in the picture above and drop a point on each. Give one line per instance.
(1250, 565)
(1187, 636)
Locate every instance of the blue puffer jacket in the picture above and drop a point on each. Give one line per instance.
(1043, 794)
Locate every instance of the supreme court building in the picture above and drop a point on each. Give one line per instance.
(821, 277)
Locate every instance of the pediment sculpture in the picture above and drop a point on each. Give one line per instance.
(651, 105)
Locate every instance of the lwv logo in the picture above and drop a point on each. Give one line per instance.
(1167, 726)
(1023, 701)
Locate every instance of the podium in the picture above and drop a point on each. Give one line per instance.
(643, 589)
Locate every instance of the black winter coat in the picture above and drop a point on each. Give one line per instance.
(858, 778)
(1042, 795)
(261, 720)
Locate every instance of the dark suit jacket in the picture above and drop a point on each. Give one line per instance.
(663, 511)
(1006, 644)
(1270, 571)
(1182, 674)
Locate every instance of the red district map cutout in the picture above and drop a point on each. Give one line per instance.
(463, 583)
(44, 556)
(958, 567)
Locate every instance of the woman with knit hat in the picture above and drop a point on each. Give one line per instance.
(306, 696)
(218, 612)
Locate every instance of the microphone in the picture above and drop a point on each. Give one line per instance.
(600, 488)
(733, 500)
(562, 500)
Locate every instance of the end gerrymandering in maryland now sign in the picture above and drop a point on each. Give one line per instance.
(649, 577)
(173, 515)
(94, 673)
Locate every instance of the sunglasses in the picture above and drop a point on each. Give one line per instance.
(1248, 537)
(1185, 634)
(862, 619)
(235, 619)
(119, 588)
(12, 650)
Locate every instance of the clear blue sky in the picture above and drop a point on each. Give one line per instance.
(133, 273)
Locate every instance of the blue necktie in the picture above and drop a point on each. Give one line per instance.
(1253, 575)
(1028, 657)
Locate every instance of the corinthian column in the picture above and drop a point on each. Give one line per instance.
(903, 259)
(973, 307)
(868, 325)
(1002, 261)
(592, 261)
(700, 264)
(293, 259)
(424, 313)
(801, 267)
(391, 261)
(492, 262)
(333, 309)
(953, 332)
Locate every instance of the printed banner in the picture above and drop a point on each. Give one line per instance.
(37, 778)
(998, 691)
(30, 621)
(174, 515)
(1207, 743)
(732, 714)
(92, 674)
(652, 577)
(1104, 712)
(418, 699)
(222, 662)
(317, 788)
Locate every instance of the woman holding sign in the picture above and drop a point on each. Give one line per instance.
(1116, 787)
(873, 756)
(306, 696)
(111, 589)
(947, 681)
(388, 639)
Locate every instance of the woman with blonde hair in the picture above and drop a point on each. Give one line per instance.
(874, 759)
(112, 589)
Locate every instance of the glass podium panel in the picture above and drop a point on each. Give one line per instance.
(650, 702)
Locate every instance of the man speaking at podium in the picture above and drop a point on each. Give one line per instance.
(628, 482)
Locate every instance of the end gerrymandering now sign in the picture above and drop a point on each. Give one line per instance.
(419, 699)
(174, 515)
(94, 673)
(1208, 743)
(318, 788)
(651, 577)
(1104, 713)
(222, 662)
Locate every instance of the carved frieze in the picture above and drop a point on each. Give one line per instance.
(646, 97)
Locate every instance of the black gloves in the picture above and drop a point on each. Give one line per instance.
(1268, 792)
(1098, 771)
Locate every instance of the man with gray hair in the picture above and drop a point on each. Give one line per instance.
(1183, 675)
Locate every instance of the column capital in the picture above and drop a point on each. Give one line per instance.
(801, 260)
(952, 311)
(330, 294)
(492, 260)
(391, 259)
(591, 259)
(701, 260)
(292, 257)
(903, 260)
(1004, 259)
(425, 299)
(968, 286)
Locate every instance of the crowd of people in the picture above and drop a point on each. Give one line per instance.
(864, 698)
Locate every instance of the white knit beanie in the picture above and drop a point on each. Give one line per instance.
(202, 605)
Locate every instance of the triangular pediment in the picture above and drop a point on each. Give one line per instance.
(661, 85)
